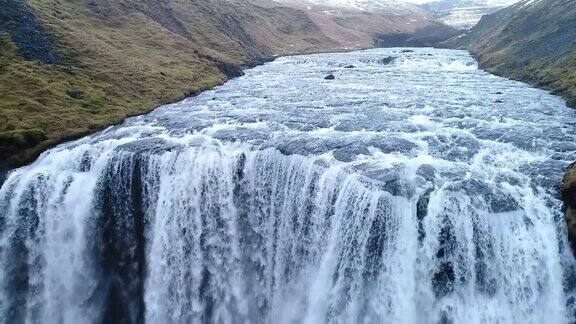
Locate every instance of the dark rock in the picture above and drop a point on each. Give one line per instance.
(230, 70)
(75, 94)
(427, 172)
(407, 51)
(568, 193)
(349, 66)
(349, 152)
(329, 77)
(422, 211)
(443, 280)
(26, 32)
(387, 60)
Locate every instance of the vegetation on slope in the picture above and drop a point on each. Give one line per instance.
(117, 58)
(532, 41)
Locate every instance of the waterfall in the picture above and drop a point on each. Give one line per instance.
(145, 226)
(226, 234)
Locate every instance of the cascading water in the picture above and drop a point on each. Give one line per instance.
(417, 191)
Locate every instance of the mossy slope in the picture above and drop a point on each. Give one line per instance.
(118, 58)
(71, 67)
(532, 41)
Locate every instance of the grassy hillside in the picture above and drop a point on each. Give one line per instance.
(532, 41)
(71, 67)
(117, 58)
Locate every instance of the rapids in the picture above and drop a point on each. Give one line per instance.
(413, 188)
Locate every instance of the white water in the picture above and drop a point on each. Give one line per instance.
(422, 191)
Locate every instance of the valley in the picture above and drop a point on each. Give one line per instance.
(116, 58)
(413, 187)
(287, 161)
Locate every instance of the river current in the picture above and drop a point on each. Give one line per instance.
(413, 188)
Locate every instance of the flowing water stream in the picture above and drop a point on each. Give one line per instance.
(414, 188)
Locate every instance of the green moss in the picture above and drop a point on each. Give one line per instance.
(125, 57)
(22, 138)
(115, 81)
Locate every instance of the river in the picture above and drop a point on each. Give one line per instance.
(413, 188)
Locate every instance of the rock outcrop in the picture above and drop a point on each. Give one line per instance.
(568, 192)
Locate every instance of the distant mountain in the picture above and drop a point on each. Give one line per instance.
(464, 14)
(385, 6)
(365, 23)
(461, 14)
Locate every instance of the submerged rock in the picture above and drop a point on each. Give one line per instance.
(329, 77)
(387, 60)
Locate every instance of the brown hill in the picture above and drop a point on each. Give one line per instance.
(71, 67)
(361, 29)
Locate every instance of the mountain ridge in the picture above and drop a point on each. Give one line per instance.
(464, 14)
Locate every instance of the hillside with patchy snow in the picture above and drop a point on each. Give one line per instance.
(461, 14)
(464, 14)
(387, 6)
